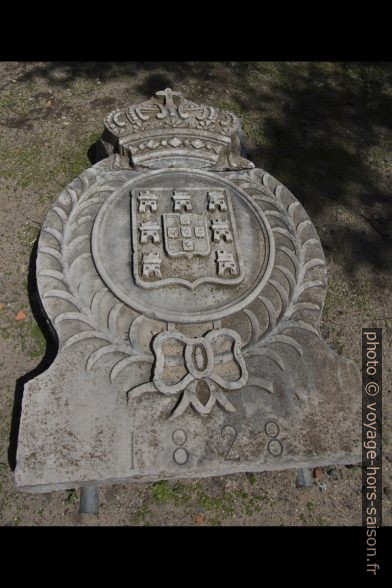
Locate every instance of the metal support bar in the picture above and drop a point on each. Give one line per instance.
(89, 500)
(304, 478)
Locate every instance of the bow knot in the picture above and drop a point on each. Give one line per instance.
(182, 362)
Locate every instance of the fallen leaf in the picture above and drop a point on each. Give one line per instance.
(317, 474)
(1, 306)
(199, 519)
(20, 316)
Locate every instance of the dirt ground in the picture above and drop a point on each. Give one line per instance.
(324, 130)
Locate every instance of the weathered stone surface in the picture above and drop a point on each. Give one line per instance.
(186, 290)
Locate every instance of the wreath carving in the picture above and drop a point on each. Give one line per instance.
(285, 301)
(89, 309)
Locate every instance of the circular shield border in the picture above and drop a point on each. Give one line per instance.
(189, 317)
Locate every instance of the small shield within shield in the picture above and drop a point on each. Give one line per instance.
(185, 237)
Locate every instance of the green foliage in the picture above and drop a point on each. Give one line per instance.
(73, 497)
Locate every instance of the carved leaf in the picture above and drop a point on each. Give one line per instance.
(312, 263)
(297, 324)
(113, 315)
(291, 208)
(282, 293)
(73, 196)
(126, 361)
(256, 331)
(304, 306)
(291, 255)
(271, 354)
(58, 236)
(134, 329)
(72, 316)
(285, 233)
(62, 214)
(82, 336)
(302, 225)
(63, 294)
(53, 253)
(288, 341)
(271, 311)
(48, 273)
(98, 354)
(261, 383)
(287, 273)
(77, 241)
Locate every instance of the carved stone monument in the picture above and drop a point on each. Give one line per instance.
(186, 289)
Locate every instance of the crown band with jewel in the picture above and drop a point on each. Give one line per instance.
(169, 130)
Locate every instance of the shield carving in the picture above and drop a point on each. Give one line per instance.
(184, 237)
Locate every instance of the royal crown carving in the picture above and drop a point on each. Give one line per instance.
(169, 127)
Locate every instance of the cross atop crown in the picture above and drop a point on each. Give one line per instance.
(168, 97)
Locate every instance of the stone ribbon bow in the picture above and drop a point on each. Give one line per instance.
(202, 360)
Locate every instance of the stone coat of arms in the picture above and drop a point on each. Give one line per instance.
(186, 288)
